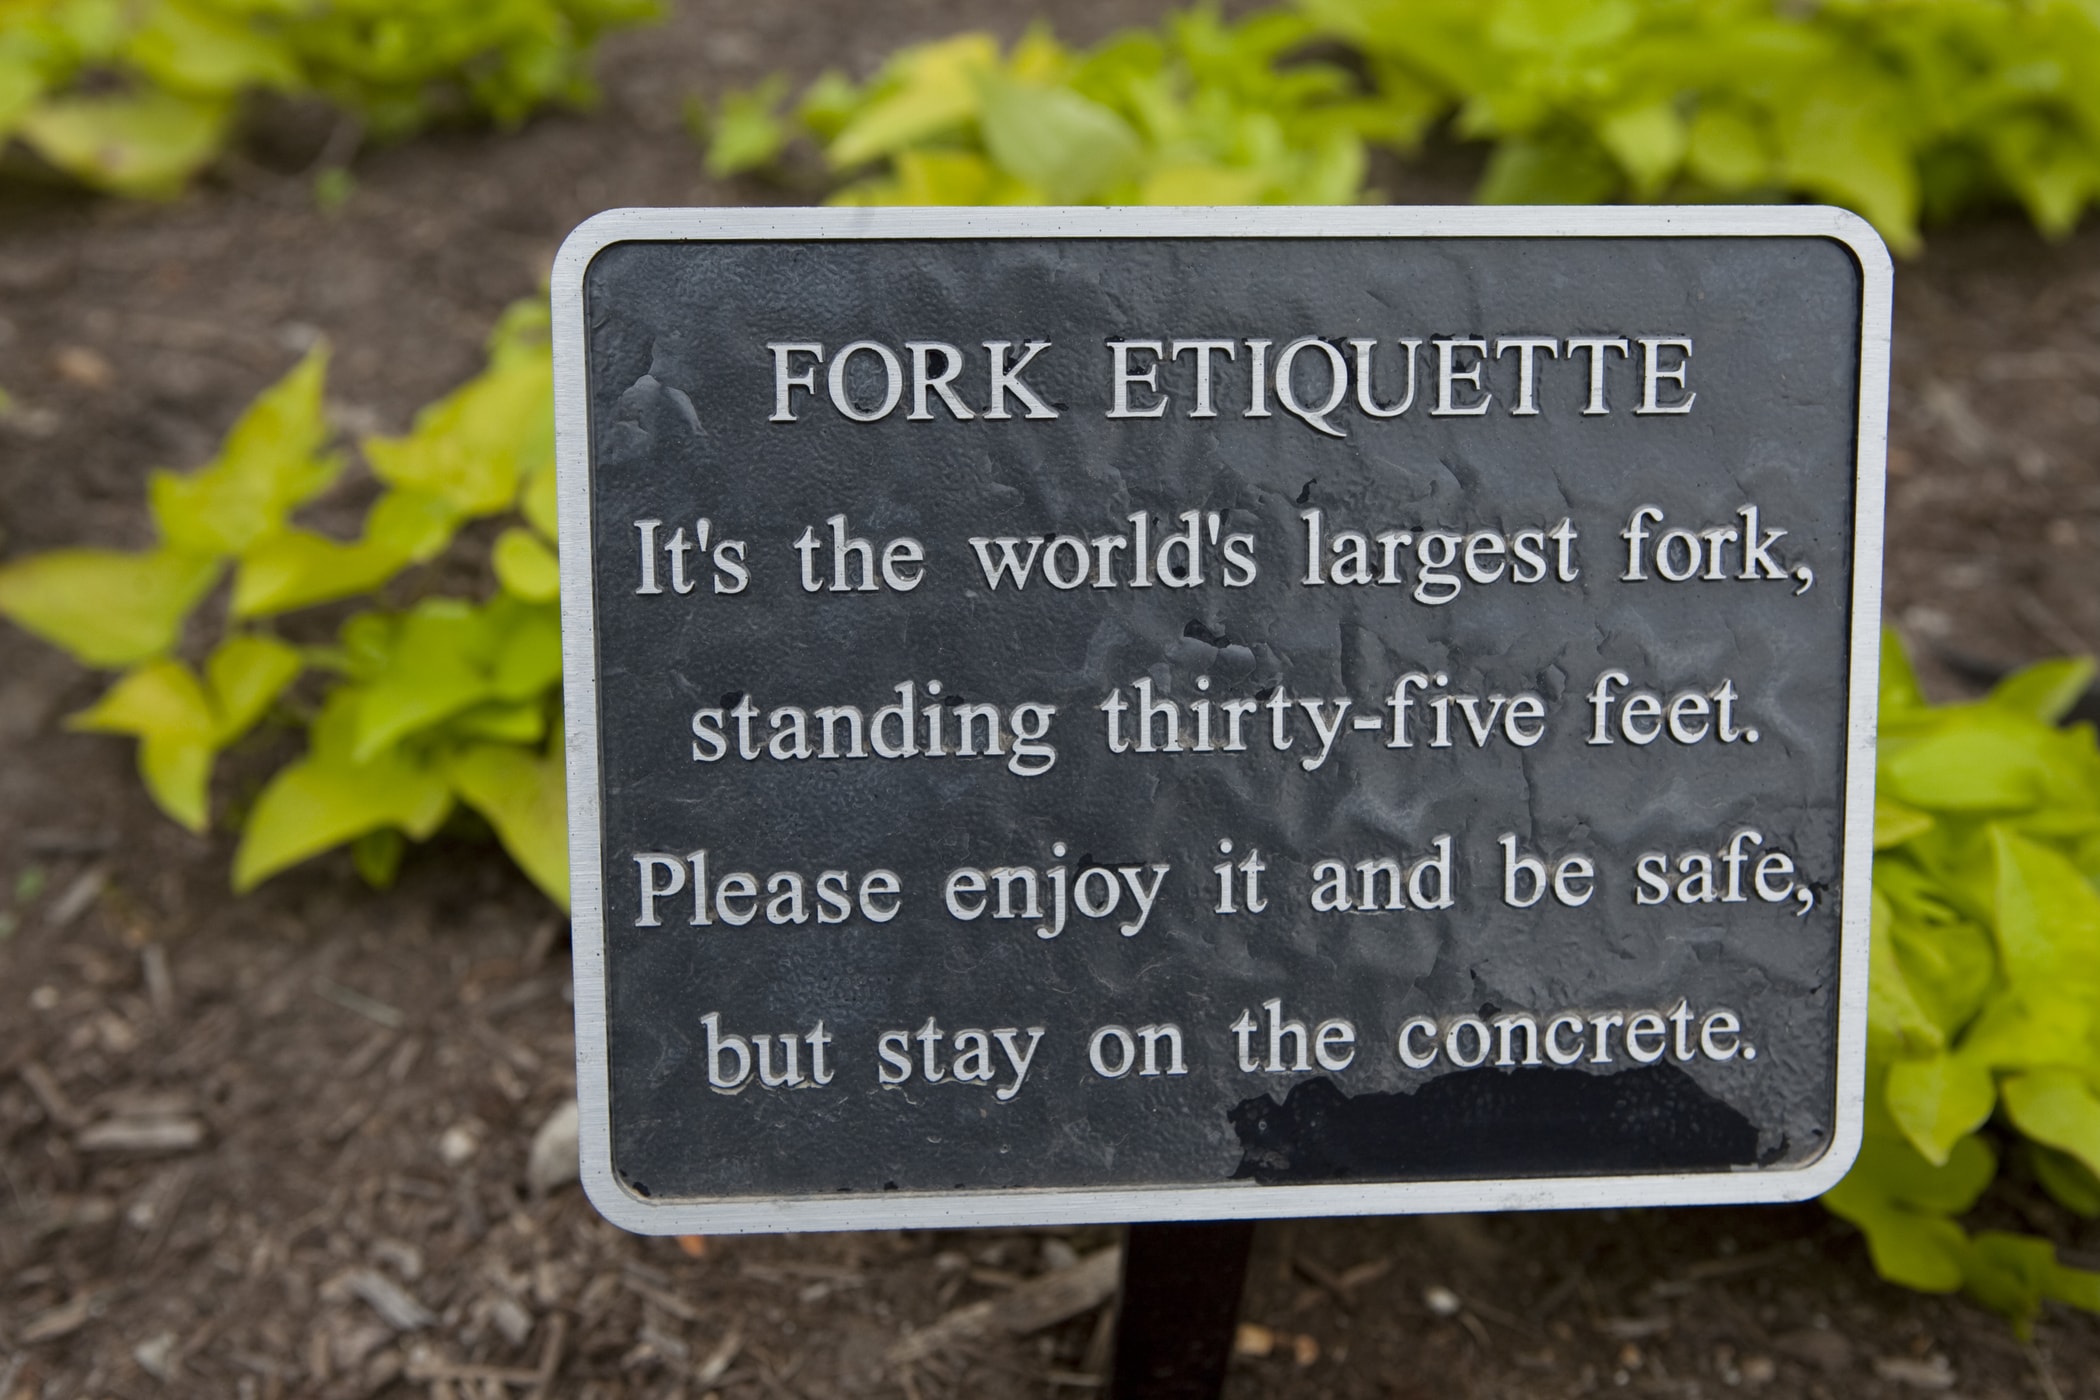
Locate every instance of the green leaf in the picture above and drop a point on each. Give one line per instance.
(925, 91)
(146, 145)
(1056, 140)
(1900, 1202)
(267, 467)
(1893, 1006)
(106, 608)
(2013, 1274)
(472, 448)
(1900, 691)
(1925, 1252)
(540, 504)
(160, 697)
(1889, 1169)
(1991, 760)
(205, 51)
(2067, 1180)
(528, 659)
(828, 104)
(439, 666)
(2031, 1029)
(2054, 171)
(377, 856)
(1840, 142)
(1560, 170)
(1939, 1099)
(517, 723)
(1948, 965)
(1201, 184)
(2057, 1107)
(525, 567)
(162, 704)
(182, 723)
(177, 772)
(2048, 919)
(2047, 690)
(2079, 1288)
(930, 178)
(1648, 141)
(326, 798)
(525, 799)
(297, 568)
(2010, 1274)
(747, 132)
(1560, 25)
(1728, 150)
(411, 527)
(1895, 823)
(246, 674)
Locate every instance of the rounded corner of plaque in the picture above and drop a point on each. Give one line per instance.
(620, 1204)
(1864, 241)
(1812, 1178)
(587, 240)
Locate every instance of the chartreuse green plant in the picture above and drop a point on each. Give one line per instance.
(1896, 108)
(413, 709)
(1197, 112)
(1985, 983)
(1892, 107)
(137, 96)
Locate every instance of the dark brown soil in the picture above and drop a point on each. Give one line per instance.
(343, 1086)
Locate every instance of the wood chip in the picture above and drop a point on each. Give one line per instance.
(48, 841)
(541, 943)
(1039, 1303)
(1633, 1329)
(79, 896)
(142, 1134)
(437, 1368)
(717, 1363)
(159, 978)
(366, 1054)
(550, 1356)
(396, 1305)
(371, 1008)
(670, 1303)
(1368, 1272)
(57, 1107)
(1933, 1373)
(1730, 1264)
(64, 1320)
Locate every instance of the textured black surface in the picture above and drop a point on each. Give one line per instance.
(1505, 1123)
(680, 389)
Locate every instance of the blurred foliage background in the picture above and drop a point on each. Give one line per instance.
(138, 96)
(1899, 109)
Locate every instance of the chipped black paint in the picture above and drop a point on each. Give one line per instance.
(1493, 1123)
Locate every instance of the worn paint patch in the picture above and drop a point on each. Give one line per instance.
(1492, 1123)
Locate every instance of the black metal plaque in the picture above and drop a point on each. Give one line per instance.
(1175, 714)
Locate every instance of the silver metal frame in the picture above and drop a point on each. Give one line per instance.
(1222, 1200)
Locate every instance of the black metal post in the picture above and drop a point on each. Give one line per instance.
(1179, 1308)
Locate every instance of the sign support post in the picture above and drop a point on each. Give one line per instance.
(1179, 1309)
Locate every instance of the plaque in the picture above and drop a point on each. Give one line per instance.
(1083, 715)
